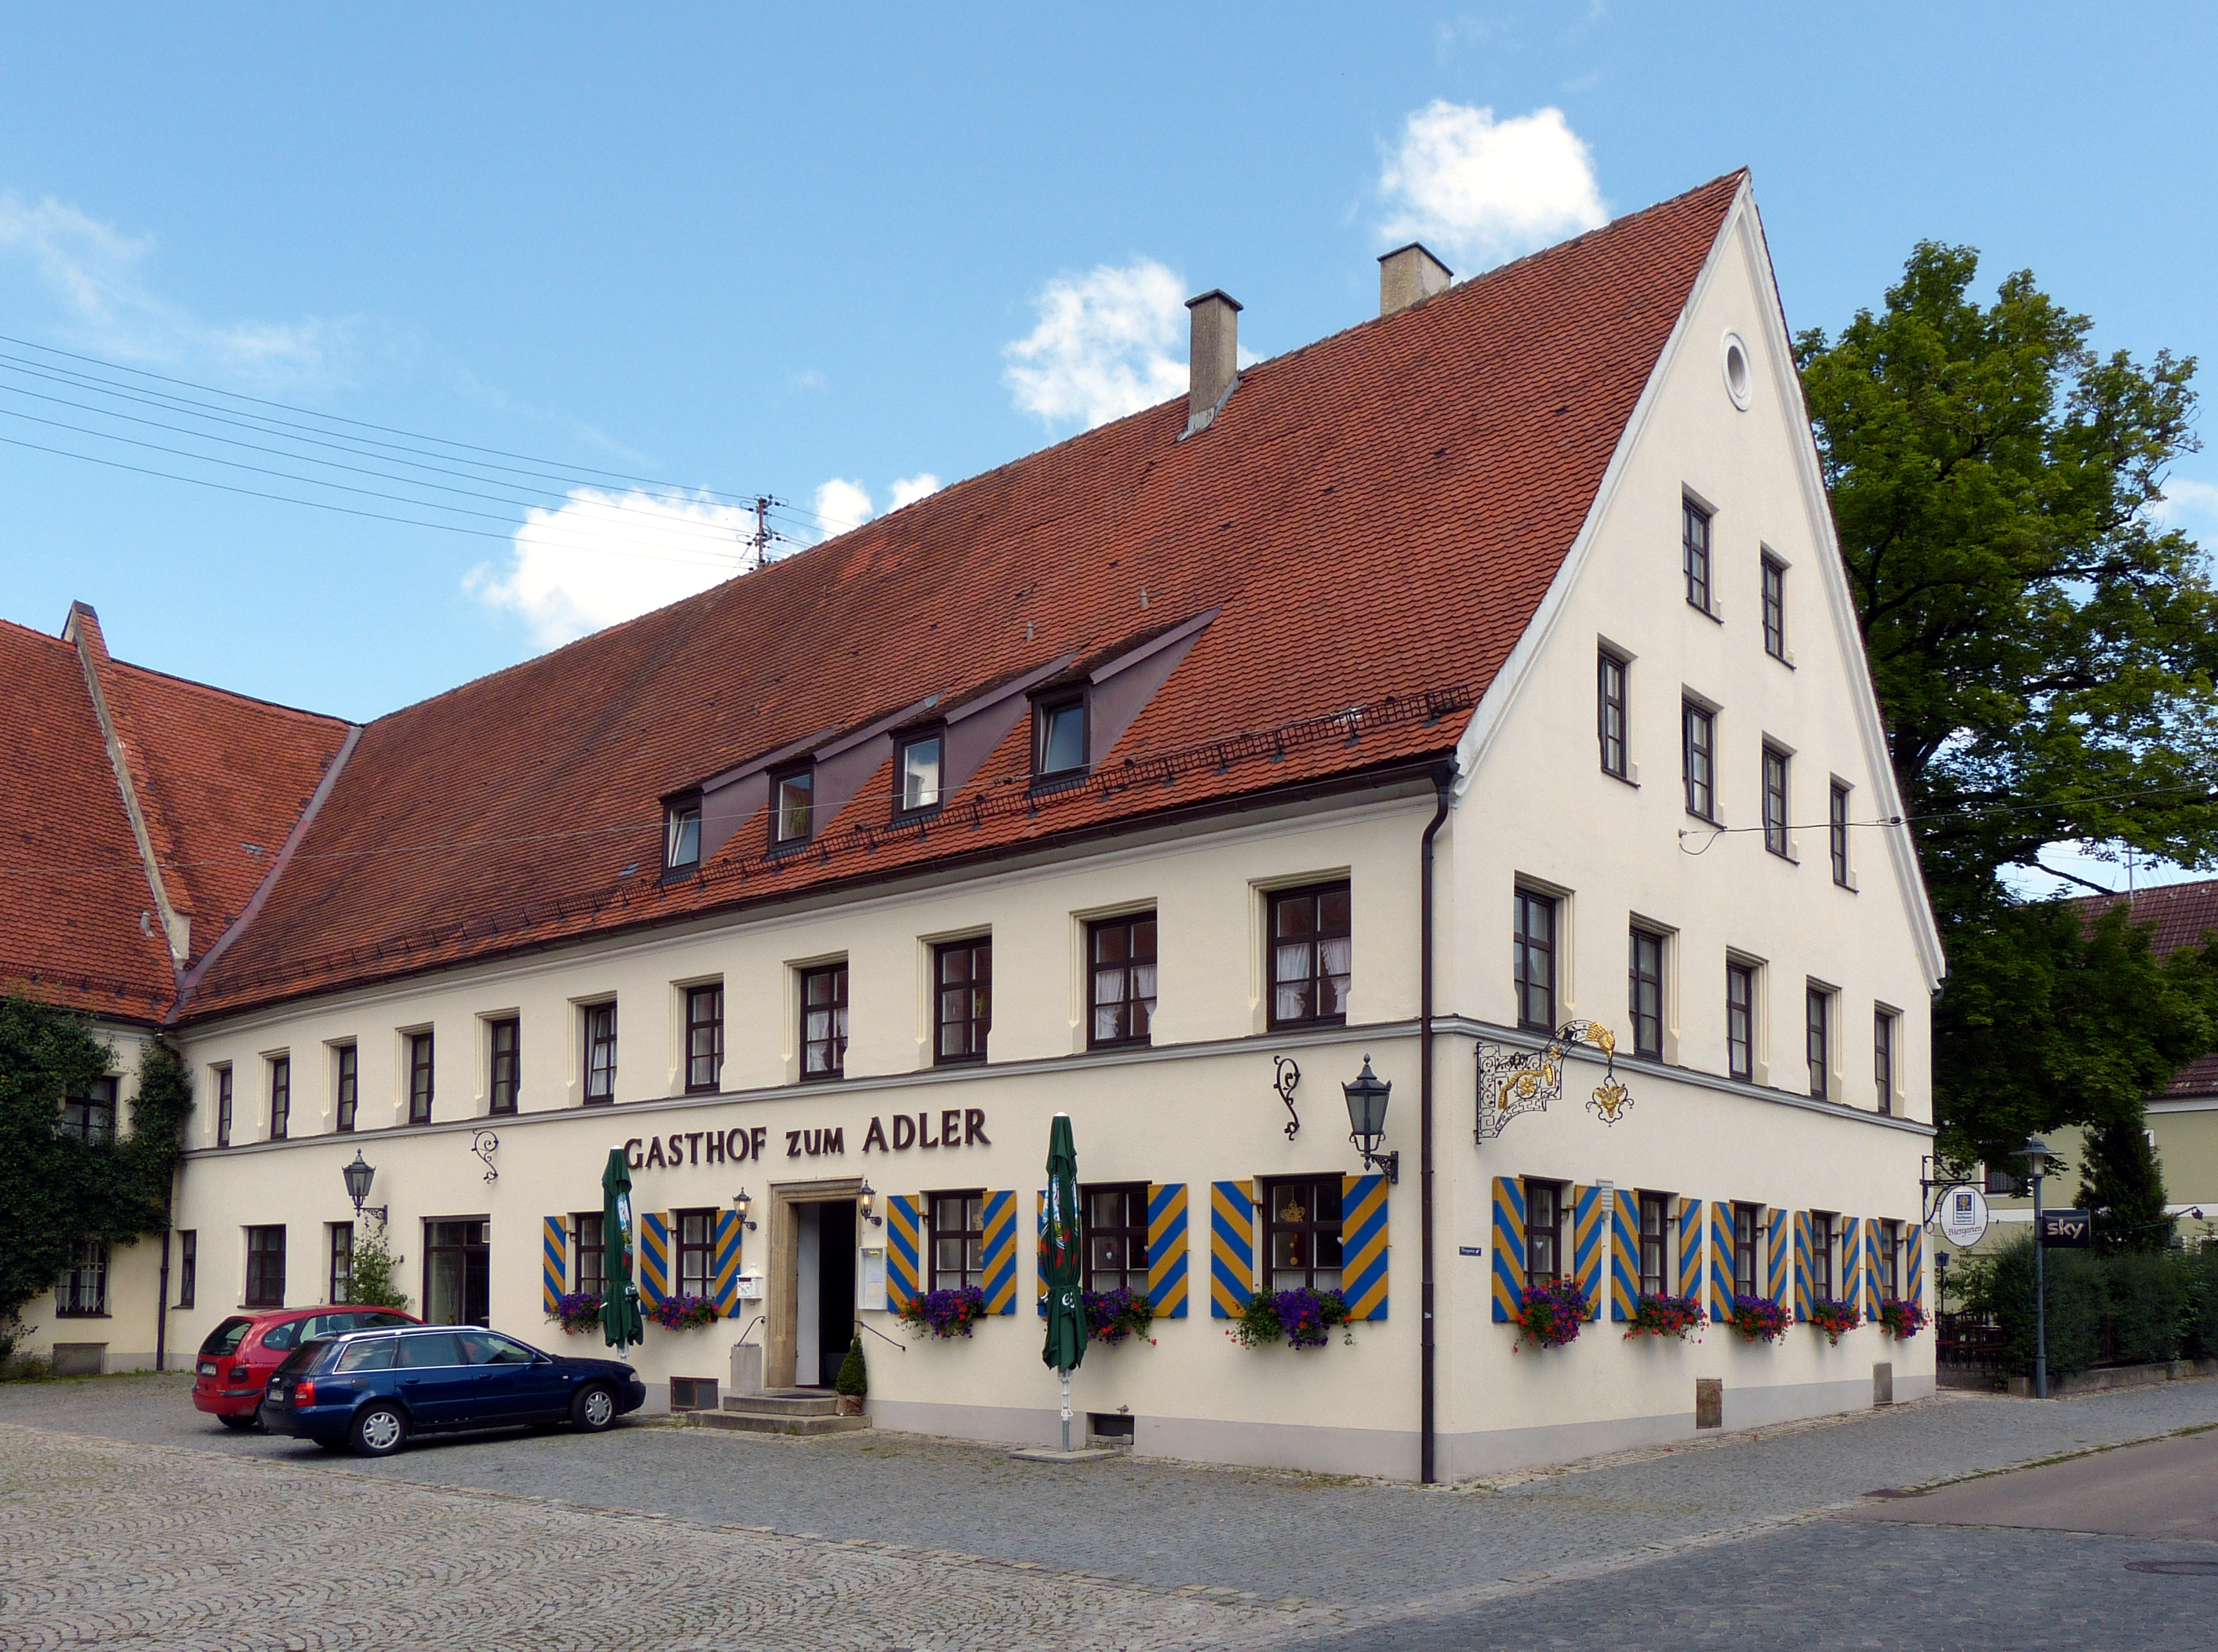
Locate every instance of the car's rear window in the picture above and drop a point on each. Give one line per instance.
(420, 1351)
(369, 1354)
(283, 1335)
(301, 1357)
(226, 1337)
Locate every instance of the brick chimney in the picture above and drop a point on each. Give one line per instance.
(1409, 273)
(1214, 360)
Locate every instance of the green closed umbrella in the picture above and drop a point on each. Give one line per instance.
(1059, 1263)
(620, 1324)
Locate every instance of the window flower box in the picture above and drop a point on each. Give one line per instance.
(1835, 1317)
(1665, 1316)
(681, 1312)
(1550, 1315)
(1901, 1318)
(1757, 1319)
(1301, 1318)
(577, 1313)
(945, 1314)
(1115, 1317)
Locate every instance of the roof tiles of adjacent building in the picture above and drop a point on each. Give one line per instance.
(2184, 914)
(1371, 521)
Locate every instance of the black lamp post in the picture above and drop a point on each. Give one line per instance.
(2035, 1154)
(358, 1176)
(1366, 1120)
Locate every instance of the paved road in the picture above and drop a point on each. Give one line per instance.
(2168, 1489)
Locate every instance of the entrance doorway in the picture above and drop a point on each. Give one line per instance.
(457, 1272)
(824, 1291)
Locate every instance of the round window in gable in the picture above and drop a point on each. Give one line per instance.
(1737, 371)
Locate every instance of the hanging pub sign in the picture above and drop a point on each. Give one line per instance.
(2067, 1231)
(1964, 1215)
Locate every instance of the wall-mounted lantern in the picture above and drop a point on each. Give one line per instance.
(1366, 1120)
(358, 1177)
(866, 1202)
(743, 1204)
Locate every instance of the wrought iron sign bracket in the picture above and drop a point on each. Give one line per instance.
(485, 1144)
(1513, 1080)
(1286, 1074)
(1935, 1187)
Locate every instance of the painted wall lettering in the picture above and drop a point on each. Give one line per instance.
(951, 1127)
(695, 1148)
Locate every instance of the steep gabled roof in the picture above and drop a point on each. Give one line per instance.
(1374, 518)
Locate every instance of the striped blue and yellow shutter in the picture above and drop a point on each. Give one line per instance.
(1586, 1234)
(654, 1258)
(1000, 1252)
(1039, 1232)
(1804, 1229)
(1508, 1271)
(1166, 1250)
(1851, 1282)
(1363, 1246)
(1873, 1278)
(903, 1248)
(724, 1263)
(1722, 1277)
(1623, 1255)
(1778, 1256)
(1231, 1248)
(1690, 1248)
(554, 1257)
(1913, 1261)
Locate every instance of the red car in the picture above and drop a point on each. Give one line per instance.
(240, 1355)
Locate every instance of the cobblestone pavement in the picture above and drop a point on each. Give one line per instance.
(892, 1541)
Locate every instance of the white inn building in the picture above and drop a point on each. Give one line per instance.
(1481, 670)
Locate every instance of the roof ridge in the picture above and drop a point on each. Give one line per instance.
(233, 695)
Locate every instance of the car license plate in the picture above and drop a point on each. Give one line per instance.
(208, 1369)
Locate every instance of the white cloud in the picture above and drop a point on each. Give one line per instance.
(95, 269)
(2185, 502)
(909, 489)
(841, 504)
(1474, 188)
(1102, 346)
(606, 557)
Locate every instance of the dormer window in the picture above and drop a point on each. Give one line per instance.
(793, 798)
(918, 774)
(681, 836)
(1059, 737)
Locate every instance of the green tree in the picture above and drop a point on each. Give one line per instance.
(373, 1271)
(2044, 650)
(2122, 1182)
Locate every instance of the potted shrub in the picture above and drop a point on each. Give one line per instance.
(680, 1312)
(1550, 1315)
(1665, 1316)
(1301, 1318)
(577, 1313)
(1115, 1317)
(1757, 1319)
(1901, 1317)
(853, 1381)
(945, 1314)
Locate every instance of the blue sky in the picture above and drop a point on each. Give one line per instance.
(794, 255)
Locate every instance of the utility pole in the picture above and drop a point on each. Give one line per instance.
(761, 540)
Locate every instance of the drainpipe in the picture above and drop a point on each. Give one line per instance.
(1443, 777)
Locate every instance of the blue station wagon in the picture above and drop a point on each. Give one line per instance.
(369, 1391)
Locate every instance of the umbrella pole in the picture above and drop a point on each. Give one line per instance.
(1065, 1374)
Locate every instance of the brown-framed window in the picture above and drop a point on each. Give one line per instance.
(342, 1258)
(91, 1118)
(1775, 608)
(1890, 1260)
(600, 1054)
(1694, 544)
(1301, 1233)
(504, 1063)
(793, 806)
(265, 1267)
(1532, 959)
(1609, 712)
(281, 1096)
(1883, 1058)
(1645, 992)
(189, 1265)
(223, 1106)
(1311, 955)
(824, 1021)
(590, 1275)
(1122, 973)
(1698, 759)
(681, 835)
(964, 1012)
(346, 1084)
(1743, 1223)
(1059, 737)
(1740, 1020)
(1116, 1232)
(959, 1239)
(920, 772)
(82, 1290)
(1655, 1244)
(1821, 1255)
(419, 1078)
(1837, 833)
(697, 1244)
(704, 1038)
(1819, 1022)
(1544, 1232)
(1775, 799)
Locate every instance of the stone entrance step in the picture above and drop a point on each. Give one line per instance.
(782, 1411)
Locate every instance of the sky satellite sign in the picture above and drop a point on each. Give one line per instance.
(2072, 1230)
(1963, 1215)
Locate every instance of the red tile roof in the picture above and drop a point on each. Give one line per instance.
(2185, 914)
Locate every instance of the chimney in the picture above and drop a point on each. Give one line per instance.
(1409, 273)
(1214, 361)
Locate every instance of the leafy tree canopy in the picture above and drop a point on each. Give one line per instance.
(2045, 650)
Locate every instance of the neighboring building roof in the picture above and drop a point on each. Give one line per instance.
(2185, 914)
